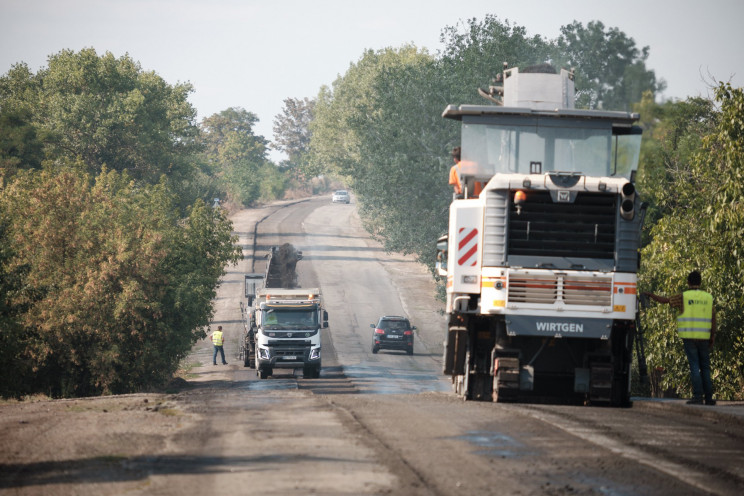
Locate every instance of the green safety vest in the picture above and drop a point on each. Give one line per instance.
(697, 319)
(217, 338)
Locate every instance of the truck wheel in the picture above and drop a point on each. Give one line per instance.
(311, 372)
(246, 359)
(264, 373)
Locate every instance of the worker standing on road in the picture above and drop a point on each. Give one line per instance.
(696, 325)
(218, 341)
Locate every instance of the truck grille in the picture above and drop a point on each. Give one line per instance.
(288, 347)
(582, 229)
(552, 288)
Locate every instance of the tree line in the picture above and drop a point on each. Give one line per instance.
(109, 254)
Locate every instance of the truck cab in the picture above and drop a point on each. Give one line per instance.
(287, 325)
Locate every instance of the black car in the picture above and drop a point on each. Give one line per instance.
(393, 332)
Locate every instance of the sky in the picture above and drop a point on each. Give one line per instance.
(254, 54)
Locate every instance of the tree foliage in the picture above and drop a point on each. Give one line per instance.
(702, 228)
(292, 129)
(379, 125)
(107, 112)
(109, 255)
(610, 70)
(118, 287)
(237, 156)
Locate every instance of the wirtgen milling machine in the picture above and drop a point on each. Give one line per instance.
(541, 265)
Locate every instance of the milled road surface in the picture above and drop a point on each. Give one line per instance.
(382, 423)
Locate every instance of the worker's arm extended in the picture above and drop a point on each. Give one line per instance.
(657, 298)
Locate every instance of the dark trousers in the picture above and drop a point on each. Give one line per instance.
(222, 354)
(698, 355)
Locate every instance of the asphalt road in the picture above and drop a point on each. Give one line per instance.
(383, 423)
(451, 447)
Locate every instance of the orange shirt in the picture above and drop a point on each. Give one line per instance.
(454, 178)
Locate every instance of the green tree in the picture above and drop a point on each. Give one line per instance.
(380, 126)
(475, 51)
(125, 286)
(375, 130)
(106, 111)
(20, 147)
(672, 132)
(292, 129)
(14, 366)
(234, 153)
(703, 229)
(610, 69)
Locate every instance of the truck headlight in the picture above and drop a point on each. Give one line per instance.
(315, 354)
(263, 353)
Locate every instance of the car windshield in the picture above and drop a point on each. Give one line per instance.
(394, 325)
(286, 318)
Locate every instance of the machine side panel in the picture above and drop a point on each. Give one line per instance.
(465, 238)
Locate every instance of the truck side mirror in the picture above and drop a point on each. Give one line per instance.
(441, 263)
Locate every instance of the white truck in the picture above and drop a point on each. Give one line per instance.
(282, 323)
(287, 325)
(541, 265)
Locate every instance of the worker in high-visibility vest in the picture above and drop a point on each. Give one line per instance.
(218, 340)
(696, 325)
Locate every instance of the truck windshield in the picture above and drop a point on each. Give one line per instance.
(290, 318)
(539, 145)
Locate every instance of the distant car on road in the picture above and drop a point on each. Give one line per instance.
(340, 196)
(393, 332)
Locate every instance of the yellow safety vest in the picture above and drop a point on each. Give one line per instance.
(697, 319)
(217, 338)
